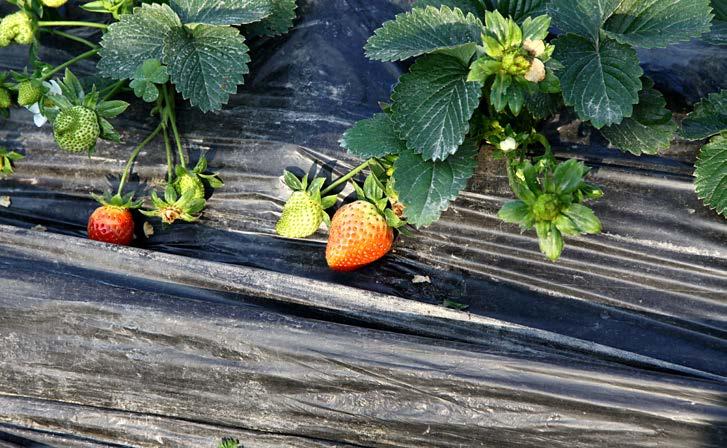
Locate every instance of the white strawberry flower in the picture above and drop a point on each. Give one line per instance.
(38, 118)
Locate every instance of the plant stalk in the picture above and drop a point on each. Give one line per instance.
(70, 36)
(345, 178)
(134, 154)
(170, 107)
(47, 23)
(70, 62)
(113, 88)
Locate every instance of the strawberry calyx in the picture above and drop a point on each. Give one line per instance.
(173, 207)
(118, 201)
(376, 193)
(304, 211)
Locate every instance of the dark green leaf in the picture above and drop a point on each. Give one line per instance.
(601, 81)
(221, 12)
(110, 109)
(583, 17)
(516, 212)
(482, 69)
(711, 174)
(709, 117)
(135, 38)
(476, 7)
(292, 181)
(649, 130)
(550, 240)
(374, 137)
(498, 93)
(583, 218)
(206, 63)
(433, 104)
(277, 23)
(422, 31)
(718, 35)
(426, 187)
(517, 9)
(720, 9)
(543, 105)
(649, 23)
(568, 176)
(107, 131)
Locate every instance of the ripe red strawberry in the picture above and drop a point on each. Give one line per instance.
(111, 225)
(113, 222)
(359, 235)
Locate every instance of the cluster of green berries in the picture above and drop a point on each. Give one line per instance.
(76, 129)
(16, 27)
(515, 64)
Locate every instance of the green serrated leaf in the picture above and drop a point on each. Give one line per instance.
(582, 17)
(206, 64)
(709, 117)
(718, 35)
(476, 7)
(426, 187)
(550, 240)
(433, 104)
(422, 31)
(374, 137)
(517, 9)
(719, 8)
(543, 105)
(110, 109)
(135, 38)
(583, 218)
(601, 81)
(222, 12)
(658, 23)
(649, 130)
(107, 131)
(536, 28)
(711, 175)
(277, 23)
(516, 212)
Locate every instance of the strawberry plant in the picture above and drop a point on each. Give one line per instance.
(192, 50)
(488, 73)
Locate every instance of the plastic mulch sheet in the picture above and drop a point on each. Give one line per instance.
(221, 328)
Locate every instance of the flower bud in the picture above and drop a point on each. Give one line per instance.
(536, 73)
(509, 144)
(534, 47)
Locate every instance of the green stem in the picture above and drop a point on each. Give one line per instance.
(134, 154)
(113, 88)
(69, 36)
(345, 178)
(70, 62)
(169, 99)
(170, 161)
(44, 23)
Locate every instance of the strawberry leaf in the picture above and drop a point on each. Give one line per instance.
(373, 137)
(650, 24)
(582, 17)
(423, 31)
(476, 7)
(649, 130)
(517, 9)
(277, 23)
(709, 118)
(206, 63)
(135, 38)
(426, 187)
(600, 80)
(433, 104)
(711, 174)
(221, 12)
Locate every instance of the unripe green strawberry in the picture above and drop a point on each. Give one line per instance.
(76, 129)
(301, 216)
(18, 27)
(5, 101)
(28, 93)
(54, 3)
(187, 182)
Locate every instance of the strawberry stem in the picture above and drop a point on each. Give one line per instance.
(69, 36)
(44, 23)
(112, 89)
(134, 154)
(170, 162)
(345, 178)
(169, 100)
(69, 62)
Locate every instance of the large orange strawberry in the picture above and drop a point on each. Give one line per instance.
(359, 235)
(112, 222)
